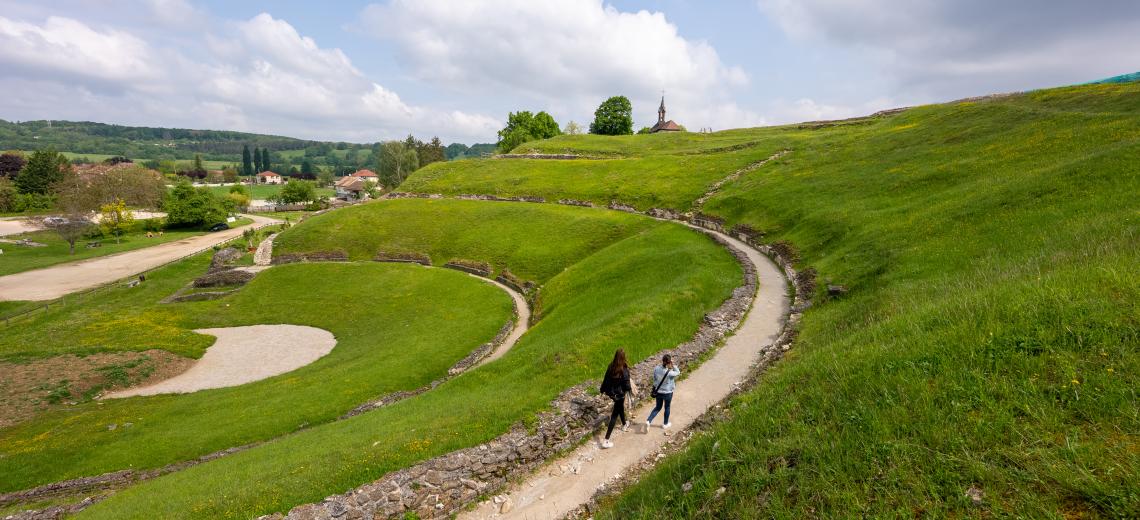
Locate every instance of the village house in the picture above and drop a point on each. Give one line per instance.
(268, 177)
(367, 175)
(354, 188)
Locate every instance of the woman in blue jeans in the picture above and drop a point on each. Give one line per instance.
(665, 381)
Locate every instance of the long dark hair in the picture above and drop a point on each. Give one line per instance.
(618, 365)
(666, 360)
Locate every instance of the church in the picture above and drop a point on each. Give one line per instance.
(663, 125)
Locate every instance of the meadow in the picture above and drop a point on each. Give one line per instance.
(408, 325)
(989, 341)
(642, 176)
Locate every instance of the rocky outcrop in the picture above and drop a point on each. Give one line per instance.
(224, 259)
(223, 278)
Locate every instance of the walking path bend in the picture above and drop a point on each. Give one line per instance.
(550, 494)
(52, 282)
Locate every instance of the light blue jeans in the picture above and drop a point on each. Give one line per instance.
(666, 399)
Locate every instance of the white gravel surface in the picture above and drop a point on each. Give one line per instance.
(244, 355)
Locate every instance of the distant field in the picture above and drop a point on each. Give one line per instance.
(265, 191)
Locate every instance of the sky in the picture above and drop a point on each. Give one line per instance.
(365, 71)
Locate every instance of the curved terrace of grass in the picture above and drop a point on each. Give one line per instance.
(646, 290)
(642, 181)
(990, 339)
(397, 327)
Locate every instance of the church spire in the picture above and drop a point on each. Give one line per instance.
(661, 110)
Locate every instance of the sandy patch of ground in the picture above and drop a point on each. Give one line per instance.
(40, 385)
(15, 226)
(244, 355)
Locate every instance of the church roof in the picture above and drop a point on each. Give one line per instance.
(667, 126)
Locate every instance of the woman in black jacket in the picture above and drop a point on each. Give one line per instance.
(615, 385)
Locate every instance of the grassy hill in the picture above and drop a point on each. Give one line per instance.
(990, 338)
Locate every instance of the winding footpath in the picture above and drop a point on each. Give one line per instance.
(52, 282)
(570, 481)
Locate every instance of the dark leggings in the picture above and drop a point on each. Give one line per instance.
(619, 410)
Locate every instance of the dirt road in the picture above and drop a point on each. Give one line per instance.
(55, 281)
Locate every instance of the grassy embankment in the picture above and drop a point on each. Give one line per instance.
(397, 328)
(990, 338)
(644, 171)
(23, 258)
(611, 280)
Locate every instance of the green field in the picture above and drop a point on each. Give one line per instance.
(20, 258)
(403, 338)
(503, 234)
(651, 179)
(643, 291)
(990, 338)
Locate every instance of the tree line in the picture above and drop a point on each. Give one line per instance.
(613, 117)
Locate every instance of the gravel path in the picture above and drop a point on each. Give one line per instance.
(52, 282)
(552, 494)
(522, 322)
(244, 355)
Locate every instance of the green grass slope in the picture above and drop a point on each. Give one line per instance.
(534, 241)
(645, 290)
(990, 338)
(397, 327)
(642, 175)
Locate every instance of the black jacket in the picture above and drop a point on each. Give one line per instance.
(616, 386)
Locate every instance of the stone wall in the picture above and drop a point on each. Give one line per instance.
(313, 256)
(403, 257)
(481, 269)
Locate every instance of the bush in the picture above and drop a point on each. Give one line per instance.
(187, 206)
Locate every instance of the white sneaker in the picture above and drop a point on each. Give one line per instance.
(648, 425)
(625, 427)
(666, 426)
(606, 444)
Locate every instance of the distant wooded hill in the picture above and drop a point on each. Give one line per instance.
(151, 143)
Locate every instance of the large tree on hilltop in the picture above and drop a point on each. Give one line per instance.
(613, 117)
(523, 126)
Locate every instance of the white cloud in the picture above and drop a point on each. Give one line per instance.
(570, 54)
(936, 50)
(269, 78)
(67, 48)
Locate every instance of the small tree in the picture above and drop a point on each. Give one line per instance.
(324, 178)
(613, 117)
(246, 161)
(307, 167)
(522, 126)
(187, 206)
(397, 161)
(198, 167)
(70, 228)
(44, 168)
(296, 191)
(248, 235)
(572, 128)
(117, 219)
(11, 163)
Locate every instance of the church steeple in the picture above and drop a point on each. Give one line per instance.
(661, 111)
